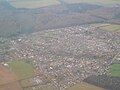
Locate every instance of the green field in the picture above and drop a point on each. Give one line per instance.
(33, 3)
(22, 69)
(115, 70)
(111, 27)
(107, 26)
(99, 25)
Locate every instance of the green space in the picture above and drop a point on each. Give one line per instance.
(25, 83)
(22, 69)
(111, 27)
(115, 70)
(107, 26)
(99, 24)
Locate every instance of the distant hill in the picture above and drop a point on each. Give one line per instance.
(14, 22)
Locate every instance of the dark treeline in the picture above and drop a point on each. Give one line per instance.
(104, 81)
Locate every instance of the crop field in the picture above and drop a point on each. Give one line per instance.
(84, 86)
(107, 26)
(8, 80)
(115, 70)
(111, 27)
(42, 87)
(22, 69)
(96, 25)
(98, 2)
(42, 3)
(33, 3)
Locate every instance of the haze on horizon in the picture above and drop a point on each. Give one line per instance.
(31, 4)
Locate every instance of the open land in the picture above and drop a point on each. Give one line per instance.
(111, 27)
(99, 2)
(115, 70)
(42, 3)
(84, 86)
(33, 3)
(8, 80)
(22, 69)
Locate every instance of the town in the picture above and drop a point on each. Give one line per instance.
(66, 56)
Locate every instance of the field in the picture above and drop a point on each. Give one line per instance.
(8, 80)
(33, 3)
(42, 3)
(107, 26)
(22, 69)
(46, 87)
(111, 27)
(115, 70)
(99, 25)
(84, 86)
(98, 2)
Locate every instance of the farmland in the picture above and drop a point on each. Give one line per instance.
(22, 69)
(84, 86)
(8, 80)
(42, 87)
(115, 70)
(42, 3)
(33, 4)
(111, 27)
(98, 2)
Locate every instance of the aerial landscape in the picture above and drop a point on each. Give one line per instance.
(59, 44)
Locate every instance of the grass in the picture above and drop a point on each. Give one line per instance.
(112, 27)
(99, 24)
(49, 87)
(33, 3)
(108, 27)
(115, 70)
(25, 83)
(84, 86)
(22, 69)
(45, 87)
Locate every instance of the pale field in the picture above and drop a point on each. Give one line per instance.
(31, 4)
(42, 3)
(98, 2)
(84, 86)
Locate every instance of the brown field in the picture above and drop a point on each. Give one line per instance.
(8, 80)
(84, 86)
